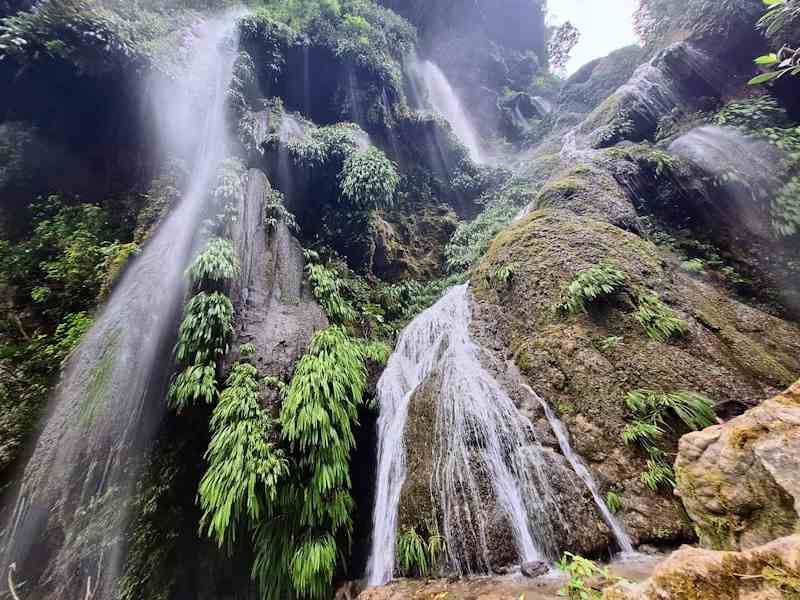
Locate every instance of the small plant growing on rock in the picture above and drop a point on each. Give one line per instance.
(502, 277)
(651, 410)
(694, 265)
(415, 553)
(579, 569)
(610, 343)
(614, 499)
(657, 319)
(595, 283)
(215, 266)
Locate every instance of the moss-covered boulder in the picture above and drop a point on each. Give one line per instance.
(584, 364)
(740, 482)
(769, 572)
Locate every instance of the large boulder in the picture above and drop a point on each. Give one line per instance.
(740, 482)
(770, 572)
(585, 364)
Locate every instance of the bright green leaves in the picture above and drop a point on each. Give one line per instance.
(215, 267)
(297, 552)
(652, 412)
(328, 288)
(205, 329)
(657, 319)
(196, 383)
(588, 286)
(243, 467)
(369, 179)
(416, 553)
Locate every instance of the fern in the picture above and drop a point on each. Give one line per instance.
(412, 552)
(614, 501)
(297, 548)
(658, 320)
(328, 287)
(215, 266)
(641, 432)
(369, 180)
(205, 329)
(658, 473)
(597, 282)
(195, 383)
(276, 213)
(243, 467)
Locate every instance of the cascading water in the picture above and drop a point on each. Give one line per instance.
(431, 89)
(620, 536)
(65, 530)
(480, 437)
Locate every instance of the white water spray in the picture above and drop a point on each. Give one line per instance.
(67, 524)
(432, 89)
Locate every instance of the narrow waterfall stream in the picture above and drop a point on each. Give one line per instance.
(65, 531)
(431, 88)
(480, 435)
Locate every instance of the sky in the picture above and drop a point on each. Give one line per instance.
(605, 25)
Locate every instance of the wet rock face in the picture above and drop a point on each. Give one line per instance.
(731, 352)
(768, 572)
(275, 309)
(740, 482)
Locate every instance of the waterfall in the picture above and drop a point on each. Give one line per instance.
(620, 536)
(430, 88)
(66, 527)
(480, 435)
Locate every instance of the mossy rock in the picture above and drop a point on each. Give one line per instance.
(565, 361)
(740, 482)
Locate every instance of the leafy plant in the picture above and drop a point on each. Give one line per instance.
(216, 266)
(579, 570)
(414, 553)
(610, 343)
(275, 213)
(244, 469)
(652, 411)
(205, 329)
(369, 179)
(502, 277)
(787, 60)
(297, 546)
(614, 500)
(196, 383)
(694, 265)
(658, 320)
(328, 287)
(590, 285)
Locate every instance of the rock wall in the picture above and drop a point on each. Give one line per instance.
(740, 482)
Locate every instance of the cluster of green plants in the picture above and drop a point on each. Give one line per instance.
(658, 320)
(308, 527)
(780, 15)
(580, 570)
(471, 239)
(598, 282)
(653, 414)
(208, 317)
(276, 213)
(763, 118)
(418, 555)
(614, 499)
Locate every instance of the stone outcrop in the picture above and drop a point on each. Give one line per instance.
(769, 572)
(740, 482)
(732, 351)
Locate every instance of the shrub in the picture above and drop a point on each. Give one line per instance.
(369, 180)
(195, 383)
(658, 320)
(297, 549)
(414, 553)
(327, 285)
(652, 411)
(244, 469)
(205, 329)
(579, 570)
(216, 266)
(614, 500)
(595, 283)
(275, 213)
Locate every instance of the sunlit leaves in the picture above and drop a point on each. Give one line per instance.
(588, 286)
(244, 469)
(216, 266)
(196, 383)
(206, 327)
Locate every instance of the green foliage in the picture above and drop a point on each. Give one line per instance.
(327, 287)
(657, 319)
(117, 257)
(369, 179)
(67, 336)
(244, 469)
(501, 278)
(196, 383)
(207, 324)
(471, 239)
(694, 265)
(610, 343)
(593, 284)
(579, 570)
(652, 411)
(215, 267)
(780, 14)
(297, 550)
(228, 191)
(275, 213)
(417, 555)
(614, 500)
